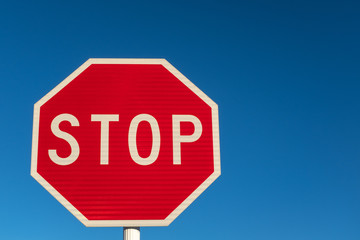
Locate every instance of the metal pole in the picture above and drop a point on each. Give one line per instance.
(131, 233)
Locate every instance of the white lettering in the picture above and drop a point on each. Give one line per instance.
(104, 134)
(155, 139)
(75, 150)
(178, 139)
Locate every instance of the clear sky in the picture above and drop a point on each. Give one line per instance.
(285, 75)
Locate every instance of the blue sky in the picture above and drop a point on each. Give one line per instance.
(285, 75)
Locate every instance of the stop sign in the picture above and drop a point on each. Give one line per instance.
(125, 142)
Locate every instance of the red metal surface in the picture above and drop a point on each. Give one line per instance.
(123, 189)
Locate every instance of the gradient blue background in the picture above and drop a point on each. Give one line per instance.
(285, 75)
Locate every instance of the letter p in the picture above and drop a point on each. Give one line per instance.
(178, 138)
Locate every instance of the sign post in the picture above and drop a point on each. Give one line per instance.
(131, 233)
(125, 142)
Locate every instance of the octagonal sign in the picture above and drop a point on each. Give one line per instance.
(125, 142)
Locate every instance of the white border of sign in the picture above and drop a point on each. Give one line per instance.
(126, 223)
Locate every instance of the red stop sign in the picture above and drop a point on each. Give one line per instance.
(125, 142)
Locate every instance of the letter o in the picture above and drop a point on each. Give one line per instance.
(155, 149)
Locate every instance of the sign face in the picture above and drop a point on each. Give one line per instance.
(125, 142)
